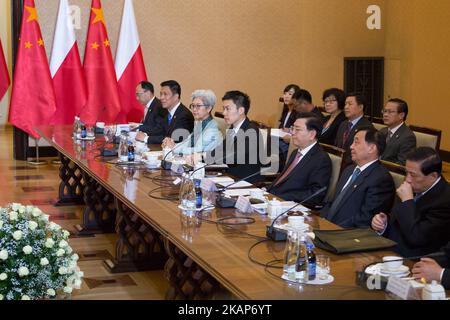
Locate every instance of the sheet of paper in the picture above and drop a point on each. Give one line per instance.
(275, 132)
(240, 192)
(222, 180)
(217, 166)
(285, 205)
(239, 184)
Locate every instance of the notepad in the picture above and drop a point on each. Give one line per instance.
(240, 192)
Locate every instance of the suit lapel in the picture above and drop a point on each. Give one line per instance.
(303, 162)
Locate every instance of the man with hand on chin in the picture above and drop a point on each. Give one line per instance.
(420, 222)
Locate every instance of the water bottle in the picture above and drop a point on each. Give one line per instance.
(76, 126)
(311, 261)
(123, 146)
(130, 151)
(198, 194)
(301, 266)
(83, 131)
(188, 200)
(290, 255)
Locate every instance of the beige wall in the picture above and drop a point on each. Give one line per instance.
(5, 35)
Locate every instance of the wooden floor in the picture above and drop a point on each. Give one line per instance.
(38, 186)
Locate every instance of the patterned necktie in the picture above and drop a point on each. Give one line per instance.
(169, 117)
(290, 168)
(389, 136)
(347, 132)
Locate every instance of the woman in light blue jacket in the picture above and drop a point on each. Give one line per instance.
(206, 135)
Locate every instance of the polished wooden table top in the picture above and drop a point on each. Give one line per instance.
(220, 251)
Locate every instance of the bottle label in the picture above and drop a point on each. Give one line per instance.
(311, 270)
(130, 156)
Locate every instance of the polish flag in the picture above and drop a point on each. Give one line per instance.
(66, 70)
(129, 65)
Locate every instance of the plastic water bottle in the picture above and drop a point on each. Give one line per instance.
(198, 194)
(311, 261)
(301, 266)
(130, 151)
(83, 131)
(76, 126)
(290, 255)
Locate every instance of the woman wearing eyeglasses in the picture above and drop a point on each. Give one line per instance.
(206, 135)
(334, 102)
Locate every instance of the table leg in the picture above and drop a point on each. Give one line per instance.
(71, 185)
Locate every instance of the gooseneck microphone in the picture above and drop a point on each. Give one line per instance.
(276, 235)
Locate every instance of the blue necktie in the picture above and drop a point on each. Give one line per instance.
(417, 197)
(341, 195)
(169, 116)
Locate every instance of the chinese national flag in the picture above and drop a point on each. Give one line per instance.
(33, 97)
(4, 75)
(103, 102)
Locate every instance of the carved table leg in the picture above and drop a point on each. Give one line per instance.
(71, 185)
(100, 213)
(187, 279)
(139, 247)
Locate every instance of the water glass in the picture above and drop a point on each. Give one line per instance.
(323, 266)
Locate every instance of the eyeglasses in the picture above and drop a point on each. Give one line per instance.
(294, 129)
(388, 111)
(140, 93)
(329, 101)
(196, 106)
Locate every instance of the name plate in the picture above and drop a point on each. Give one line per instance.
(400, 287)
(243, 205)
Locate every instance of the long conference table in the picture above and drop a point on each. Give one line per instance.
(201, 259)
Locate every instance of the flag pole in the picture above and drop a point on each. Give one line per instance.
(37, 162)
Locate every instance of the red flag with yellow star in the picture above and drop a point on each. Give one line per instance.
(103, 96)
(33, 97)
(4, 75)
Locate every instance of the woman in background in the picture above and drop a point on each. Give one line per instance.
(334, 102)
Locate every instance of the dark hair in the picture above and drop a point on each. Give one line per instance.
(291, 86)
(312, 122)
(240, 99)
(373, 136)
(360, 99)
(302, 94)
(174, 87)
(429, 158)
(147, 86)
(338, 94)
(402, 106)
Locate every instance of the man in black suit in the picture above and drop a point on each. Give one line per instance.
(308, 168)
(434, 269)
(364, 189)
(154, 113)
(302, 101)
(420, 222)
(240, 149)
(399, 138)
(178, 122)
(354, 111)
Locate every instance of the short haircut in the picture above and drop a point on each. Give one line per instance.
(429, 158)
(373, 136)
(312, 122)
(207, 96)
(402, 106)
(240, 99)
(338, 94)
(292, 86)
(302, 94)
(360, 99)
(174, 86)
(147, 86)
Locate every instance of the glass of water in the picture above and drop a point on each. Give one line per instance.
(323, 266)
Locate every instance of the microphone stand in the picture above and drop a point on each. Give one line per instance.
(37, 162)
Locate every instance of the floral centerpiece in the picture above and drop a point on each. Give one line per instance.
(36, 260)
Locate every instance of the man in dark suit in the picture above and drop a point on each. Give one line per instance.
(308, 168)
(434, 269)
(364, 189)
(354, 111)
(154, 113)
(240, 149)
(302, 101)
(399, 138)
(178, 122)
(420, 222)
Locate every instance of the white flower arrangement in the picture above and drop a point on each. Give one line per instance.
(36, 260)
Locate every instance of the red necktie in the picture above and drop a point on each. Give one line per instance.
(290, 168)
(347, 132)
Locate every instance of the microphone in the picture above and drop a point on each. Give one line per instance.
(166, 165)
(276, 235)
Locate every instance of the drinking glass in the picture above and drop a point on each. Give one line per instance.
(323, 266)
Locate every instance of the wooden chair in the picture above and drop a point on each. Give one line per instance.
(397, 172)
(336, 156)
(218, 116)
(378, 123)
(427, 137)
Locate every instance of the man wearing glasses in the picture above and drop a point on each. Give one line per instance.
(179, 121)
(309, 166)
(399, 138)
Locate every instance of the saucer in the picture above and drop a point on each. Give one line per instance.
(153, 165)
(316, 281)
(401, 269)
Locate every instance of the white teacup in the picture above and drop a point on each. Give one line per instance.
(132, 135)
(152, 160)
(296, 221)
(390, 263)
(257, 194)
(100, 125)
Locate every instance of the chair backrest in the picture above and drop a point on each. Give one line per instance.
(397, 172)
(427, 137)
(336, 156)
(378, 123)
(218, 116)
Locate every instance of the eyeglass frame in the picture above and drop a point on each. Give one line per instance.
(197, 106)
(383, 111)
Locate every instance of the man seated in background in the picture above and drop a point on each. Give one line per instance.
(354, 111)
(365, 188)
(399, 138)
(309, 166)
(434, 269)
(240, 147)
(302, 101)
(420, 222)
(154, 113)
(179, 121)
